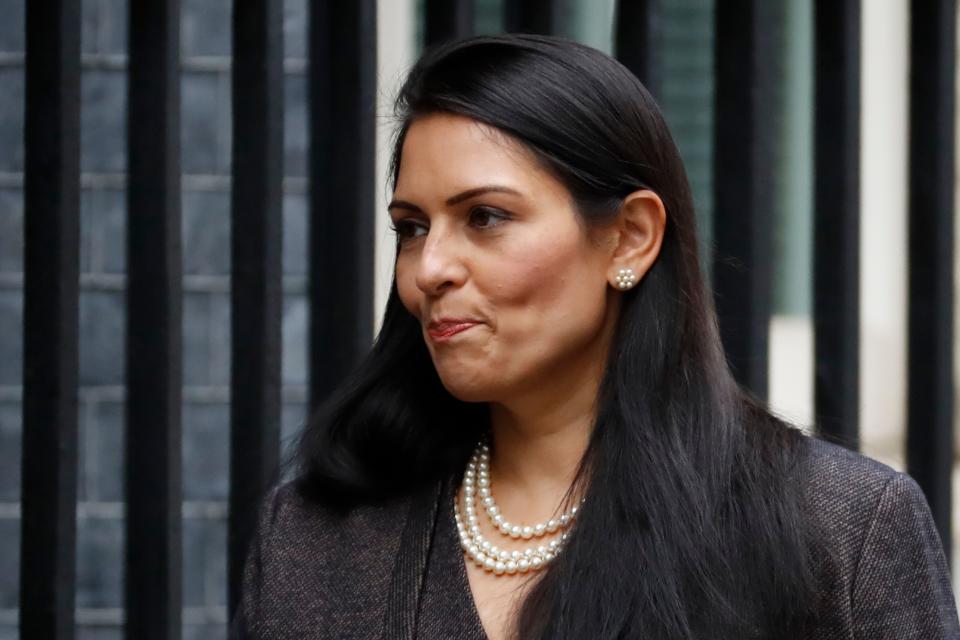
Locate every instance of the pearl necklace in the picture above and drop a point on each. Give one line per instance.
(476, 480)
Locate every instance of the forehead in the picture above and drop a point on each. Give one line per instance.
(444, 152)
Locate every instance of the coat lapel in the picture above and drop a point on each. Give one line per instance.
(406, 584)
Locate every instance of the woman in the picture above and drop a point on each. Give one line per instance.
(545, 440)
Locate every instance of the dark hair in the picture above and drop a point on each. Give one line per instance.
(693, 525)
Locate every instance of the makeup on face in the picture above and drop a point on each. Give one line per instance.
(492, 260)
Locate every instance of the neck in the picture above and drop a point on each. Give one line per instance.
(538, 444)
(540, 434)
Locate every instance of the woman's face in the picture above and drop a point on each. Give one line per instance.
(489, 238)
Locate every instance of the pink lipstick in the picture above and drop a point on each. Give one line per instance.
(446, 328)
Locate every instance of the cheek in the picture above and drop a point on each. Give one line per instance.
(552, 290)
(407, 290)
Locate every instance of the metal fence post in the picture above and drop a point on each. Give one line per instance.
(50, 321)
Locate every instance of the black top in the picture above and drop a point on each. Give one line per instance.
(396, 570)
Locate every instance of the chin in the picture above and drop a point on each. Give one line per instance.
(467, 391)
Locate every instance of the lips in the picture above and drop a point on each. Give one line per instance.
(447, 327)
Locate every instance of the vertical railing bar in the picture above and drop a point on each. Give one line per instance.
(342, 91)
(256, 282)
(448, 20)
(836, 259)
(50, 320)
(637, 40)
(531, 16)
(154, 302)
(742, 197)
(930, 400)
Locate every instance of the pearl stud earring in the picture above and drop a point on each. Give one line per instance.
(626, 278)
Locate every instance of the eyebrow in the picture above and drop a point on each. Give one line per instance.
(457, 199)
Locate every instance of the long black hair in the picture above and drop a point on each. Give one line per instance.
(693, 525)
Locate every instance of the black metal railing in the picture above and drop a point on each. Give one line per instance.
(342, 93)
(154, 357)
(256, 276)
(931, 265)
(50, 320)
(742, 180)
(836, 252)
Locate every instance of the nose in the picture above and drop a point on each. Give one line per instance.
(441, 263)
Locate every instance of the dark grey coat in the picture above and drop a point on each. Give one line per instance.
(396, 571)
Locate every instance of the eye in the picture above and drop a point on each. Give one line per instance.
(487, 217)
(406, 229)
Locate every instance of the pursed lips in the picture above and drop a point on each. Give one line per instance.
(448, 327)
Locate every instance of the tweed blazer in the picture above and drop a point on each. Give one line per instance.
(396, 571)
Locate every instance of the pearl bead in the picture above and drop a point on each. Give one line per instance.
(539, 530)
(514, 532)
(515, 555)
(498, 520)
(499, 568)
(490, 564)
(552, 525)
(527, 533)
(511, 567)
(523, 564)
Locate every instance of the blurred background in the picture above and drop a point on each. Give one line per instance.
(685, 91)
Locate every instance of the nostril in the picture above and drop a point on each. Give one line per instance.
(434, 285)
(437, 272)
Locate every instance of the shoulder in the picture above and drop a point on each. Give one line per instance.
(296, 530)
(847, 492)
(286, 516)
(311, 566)
(845, 486)
(879, 558)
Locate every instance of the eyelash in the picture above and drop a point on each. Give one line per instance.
(401, 227)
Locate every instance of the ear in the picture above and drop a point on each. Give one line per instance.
(640, 227)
